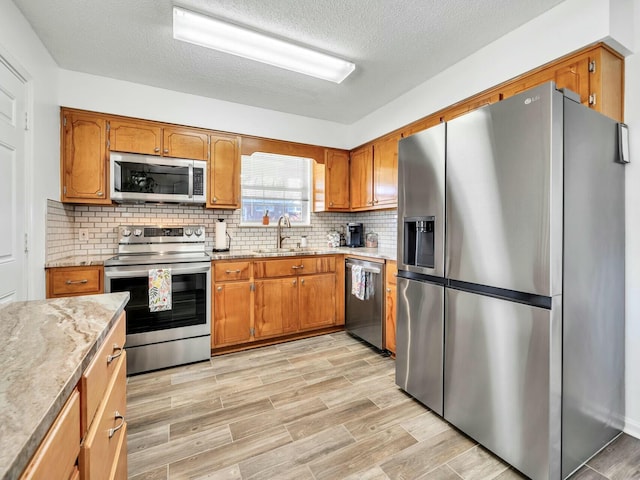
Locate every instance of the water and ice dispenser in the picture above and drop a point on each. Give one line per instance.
(419, 241)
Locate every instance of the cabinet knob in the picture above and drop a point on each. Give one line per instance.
(100, 194)
(302, 281)
(369, 202)
(375, 201)
(331, 204)
(219, 289)
(388, 290)
(294, 282)
(166, 150)
(215, 199)
(157, 149)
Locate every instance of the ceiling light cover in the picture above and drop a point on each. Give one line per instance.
(212, 33)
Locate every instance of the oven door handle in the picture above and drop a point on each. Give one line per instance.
(119, 272)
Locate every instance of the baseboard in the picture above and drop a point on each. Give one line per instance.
(632, 428)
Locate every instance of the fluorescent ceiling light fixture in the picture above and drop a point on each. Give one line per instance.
(212, 33)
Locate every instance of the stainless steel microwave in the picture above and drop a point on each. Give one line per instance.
(144, 178)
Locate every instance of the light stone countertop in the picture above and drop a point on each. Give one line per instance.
(45, 345)
(374, 253)
(78, 261)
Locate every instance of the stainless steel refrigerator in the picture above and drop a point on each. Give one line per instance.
(510, 319)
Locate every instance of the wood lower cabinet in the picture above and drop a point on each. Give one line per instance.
(83, 160)
(57, 454)
(224, 172)
(275, 298)
(87, 441)
(317, 301)
(391, 270)
(74, 281)
(231, 313)
(276, 307)
(101, 447)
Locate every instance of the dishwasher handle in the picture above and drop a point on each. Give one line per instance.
(365, 269)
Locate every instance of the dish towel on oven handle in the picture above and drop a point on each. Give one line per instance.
(159, 289)
(358, 282)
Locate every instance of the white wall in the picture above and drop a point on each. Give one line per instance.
(24, 50)
(125, 98)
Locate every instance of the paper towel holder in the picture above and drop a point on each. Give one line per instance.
(228, 247)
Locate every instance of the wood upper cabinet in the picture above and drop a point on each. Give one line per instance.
(135, 137)
(85, 177)
(336, 179)
(385, 172)
(224, 172)
(573, 74)
(361, 178)
(151, 138)
(183, 142)
(468, 106)
(317, 301)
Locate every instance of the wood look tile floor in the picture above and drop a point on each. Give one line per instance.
(321, 408)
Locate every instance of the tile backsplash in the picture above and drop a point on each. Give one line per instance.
(101, 222)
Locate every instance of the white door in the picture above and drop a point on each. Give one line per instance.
(12, 185)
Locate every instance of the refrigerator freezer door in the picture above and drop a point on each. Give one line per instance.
(593, 321)
(504, 197)
(419, 341)
(502, 379)
(421, 176)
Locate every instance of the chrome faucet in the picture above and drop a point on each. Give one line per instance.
(287, 223)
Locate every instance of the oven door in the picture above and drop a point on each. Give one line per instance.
(190, 315)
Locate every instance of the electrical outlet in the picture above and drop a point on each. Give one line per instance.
(83, 234)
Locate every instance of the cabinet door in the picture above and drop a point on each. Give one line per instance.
(224, 172)
(135, 137)
(385, 173)
(361, 176)
(572, 74)
(317, 301)
(467, 106)
(337, 180)
(231, 313)
(391, 271)
(84, 158)
(606, 83)
(181, 142)
(276, 307)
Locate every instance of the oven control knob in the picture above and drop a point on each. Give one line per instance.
(126, 232)
(137, 232)
(199, 231)
(188, 232)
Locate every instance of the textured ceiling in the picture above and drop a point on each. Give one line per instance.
(395, 44)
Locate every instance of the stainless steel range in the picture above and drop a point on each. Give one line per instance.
(180, 332)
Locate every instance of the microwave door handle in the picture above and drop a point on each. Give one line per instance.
(191, 180)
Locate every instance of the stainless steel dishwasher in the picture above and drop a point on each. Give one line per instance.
(364, 318)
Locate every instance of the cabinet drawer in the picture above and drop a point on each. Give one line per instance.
(56, 456)
(69, 281)
(98, 374)
(119, 467)
(226, 271)
(294, 266)
(100, 447)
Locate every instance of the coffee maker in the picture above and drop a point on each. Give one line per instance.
(355, 235)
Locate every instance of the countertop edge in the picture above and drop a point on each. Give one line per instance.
(32, 444)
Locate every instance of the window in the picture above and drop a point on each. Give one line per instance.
(277, 183)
